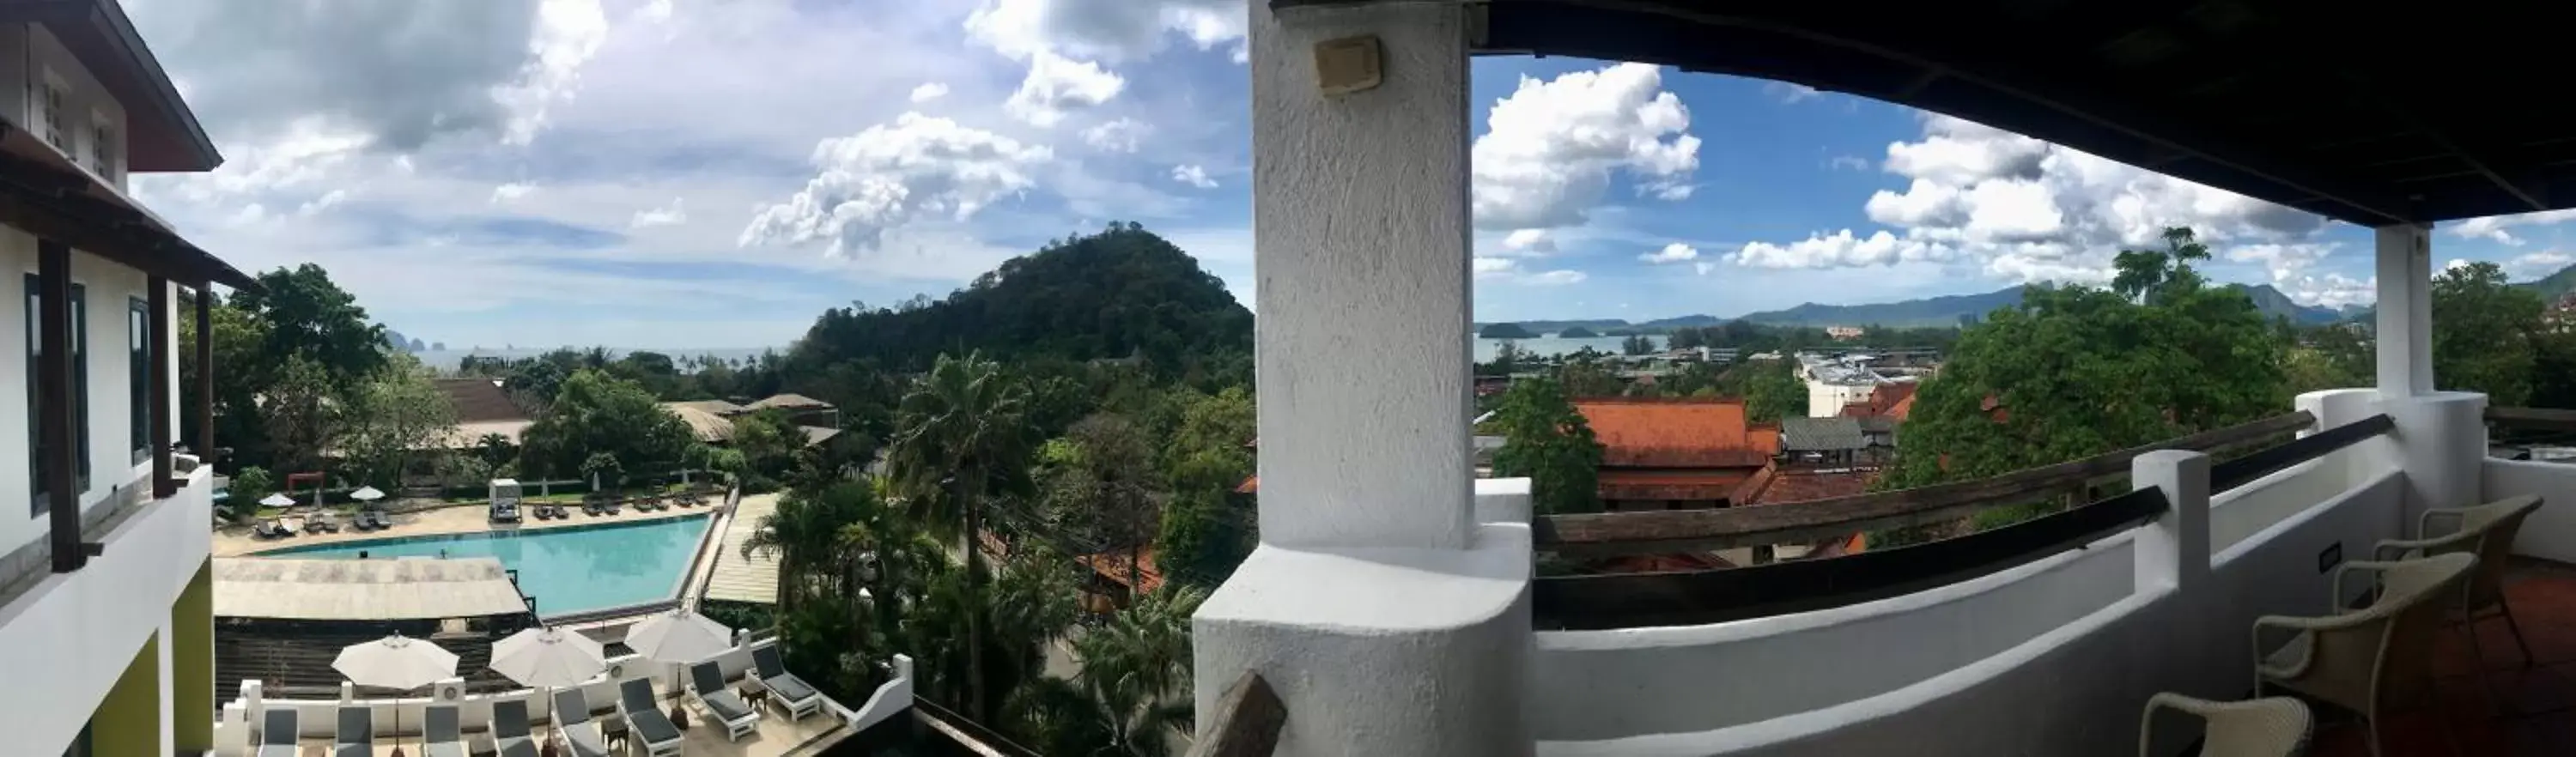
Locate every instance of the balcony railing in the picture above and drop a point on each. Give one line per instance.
(1694, 597)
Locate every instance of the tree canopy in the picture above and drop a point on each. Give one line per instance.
(1546, 440)
(596, 414)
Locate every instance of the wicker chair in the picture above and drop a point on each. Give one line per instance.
(2374, 656)
(2275, 727)
(2487, 531)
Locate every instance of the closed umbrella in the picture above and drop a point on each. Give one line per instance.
(395, 662)
(680, 636)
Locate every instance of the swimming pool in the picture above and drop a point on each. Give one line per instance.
(567, 569)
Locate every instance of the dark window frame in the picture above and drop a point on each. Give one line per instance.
(80, 390)
(138, 377)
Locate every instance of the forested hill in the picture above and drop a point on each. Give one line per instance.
(1119, 293)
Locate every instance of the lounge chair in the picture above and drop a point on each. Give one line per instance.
(2275, 727)
(784, 687)
(644, 723)
(572, 722)
(707, 683)
(371, 519)
(356, 735)
(270, 529)
(510, 729)
(2367, 659)
(277, 733)
(438, 732)
(2487, 531)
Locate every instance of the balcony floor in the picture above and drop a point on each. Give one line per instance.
(2539, 699)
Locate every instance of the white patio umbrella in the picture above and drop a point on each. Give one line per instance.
(367, 494)
(395, 662)
(278, 500)
(548, 657)
(680, 636)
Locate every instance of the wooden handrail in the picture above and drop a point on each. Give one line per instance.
(2534, 418)
(1247, 722)
(1659, 531)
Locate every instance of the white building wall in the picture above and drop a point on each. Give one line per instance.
(37, 55)
(65, 641)
(1826, 400)
(110, 286)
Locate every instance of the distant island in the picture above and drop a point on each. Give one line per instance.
(1504, 331)
(1576, 332)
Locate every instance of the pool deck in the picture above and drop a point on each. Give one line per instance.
(236, 541)
(736, 577)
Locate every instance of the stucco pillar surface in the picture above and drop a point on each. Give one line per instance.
(1386, 616)
(2405, 310)
(2441, 442)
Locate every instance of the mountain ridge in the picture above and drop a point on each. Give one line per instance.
(1944, 310)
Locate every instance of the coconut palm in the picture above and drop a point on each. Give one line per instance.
(1138, 667)
(962, 436)
(805, 535)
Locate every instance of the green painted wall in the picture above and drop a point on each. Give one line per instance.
(128, 721)
(192, 663)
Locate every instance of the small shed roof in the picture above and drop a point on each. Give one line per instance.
(706, 425)
(384, 589)
(789, 402)
(1816, 434)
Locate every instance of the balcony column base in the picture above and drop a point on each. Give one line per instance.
(1380, 651)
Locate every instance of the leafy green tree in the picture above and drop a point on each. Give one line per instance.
(1637, 344)
(595, 414)
(768, 443)
(2076, 371)
(1137, 669)
(1584, 376)
(2482, 331)
(239, 378)
(1546, 440)
(1770, 388)
(308, 316)
(964, 438)
(496, 449)
(603, 470)
(304, 414)
(1103, 483)
(394, 416)
(247, 488)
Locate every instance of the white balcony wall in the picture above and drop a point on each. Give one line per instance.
(30, 55)
(2550, 532)
(1626, 682)
(2055, 657)
(64, 642)
(108, 287)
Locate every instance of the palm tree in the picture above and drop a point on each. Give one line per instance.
(964, 435)
(1139, 661)
(805, 534)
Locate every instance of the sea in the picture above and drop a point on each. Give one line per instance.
(445, 361)
(1551, 344)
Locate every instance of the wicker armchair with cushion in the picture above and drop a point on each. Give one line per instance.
(2487, 531)
(2274, 727)
(2371, 657)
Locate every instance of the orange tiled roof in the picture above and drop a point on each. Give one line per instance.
(1112, 565)
(1677, 432)
(1250, 486)
(1772, 486)
(1891, 400)
(1691, 484)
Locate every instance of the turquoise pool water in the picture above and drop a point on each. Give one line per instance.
(568, 569)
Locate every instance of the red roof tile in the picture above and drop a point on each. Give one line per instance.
(1677, 432)
(1250, 486)
(1112, 565)
(1773, 486)
(1691, 484)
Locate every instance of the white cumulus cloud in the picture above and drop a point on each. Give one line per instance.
(1193, 175)
(1510, 271)
(891, 175)
(2494, 227)
(511, 191)
(2021, 209)
(1056, 85)
(929, 91)
(1120, 135)
(1109, 30)
(668, 215)
(1529, 243)
(1671, 253)
(1552, 146)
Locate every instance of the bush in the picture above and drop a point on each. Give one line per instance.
(250, 485)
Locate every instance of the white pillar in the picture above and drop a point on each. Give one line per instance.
(1384, 615)
(2441, 440)
(1360, 256)
(2405, 309)
(2172, 552)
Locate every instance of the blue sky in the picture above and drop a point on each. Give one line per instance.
(690, 173)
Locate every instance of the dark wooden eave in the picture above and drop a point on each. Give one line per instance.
(2367, 113)
(54, 201)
